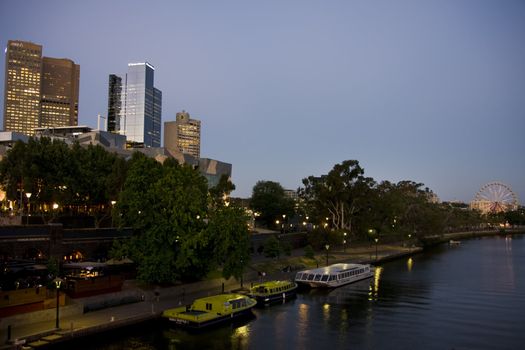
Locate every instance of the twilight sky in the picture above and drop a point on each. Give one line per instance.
(422, 90)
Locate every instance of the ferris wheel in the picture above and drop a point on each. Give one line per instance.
(495, 197)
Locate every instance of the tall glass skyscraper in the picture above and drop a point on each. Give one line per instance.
(114, 103)
(139, 115)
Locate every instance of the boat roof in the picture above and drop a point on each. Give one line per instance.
(271, 284)
(222, 298)
(332, 269)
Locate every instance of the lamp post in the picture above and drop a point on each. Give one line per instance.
(28, 195)
(327, 247)
(344, 242)
(376, 239)
(58, 284)
(112, 212)
(283, 226)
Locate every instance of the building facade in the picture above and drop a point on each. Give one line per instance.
(39, 91)
(183, 134)
(213, 170)
(140, 113)
(23, 70)
(114, 103)
(60, 84)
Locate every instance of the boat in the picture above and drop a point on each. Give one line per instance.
(453, 242)
(335, 275)
(211, 310)
(272, 291)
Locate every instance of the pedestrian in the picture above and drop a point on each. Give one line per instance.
(157, 294)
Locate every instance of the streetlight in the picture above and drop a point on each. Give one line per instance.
(283, 226)
(344, 242)
(58, 284)
(376, 239)
(112, 207)
(28, 195)
(327, 247)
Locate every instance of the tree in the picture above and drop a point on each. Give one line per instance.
(339, 195)
(220, 193)
(270, 201)
(272, 247)
(229, 240)
(166, 205)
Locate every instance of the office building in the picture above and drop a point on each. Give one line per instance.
(140, 113)
(60, 84)
(23, 69)
(183, 134)
(39, 91)
(114, 103)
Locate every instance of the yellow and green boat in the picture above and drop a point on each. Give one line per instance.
(272, 291)
(211, 310)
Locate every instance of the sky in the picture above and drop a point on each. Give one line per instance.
(420, 90)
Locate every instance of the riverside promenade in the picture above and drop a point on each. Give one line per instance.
(153, 300)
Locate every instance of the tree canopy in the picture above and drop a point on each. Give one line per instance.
(271, 202)
(179, 235)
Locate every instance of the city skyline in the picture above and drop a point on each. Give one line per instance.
(427, 92)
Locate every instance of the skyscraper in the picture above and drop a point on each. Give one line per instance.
(39, 91)
(140, 111)
(183, 134)
(23, 69)
(60, 83)
(114, 101)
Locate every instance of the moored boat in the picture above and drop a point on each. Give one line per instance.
(272, 291)
(334, 275)
(211, 310)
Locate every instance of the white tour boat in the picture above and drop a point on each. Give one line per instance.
(334, 275)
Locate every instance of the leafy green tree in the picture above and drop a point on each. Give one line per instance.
(270, 201)
(229, 240)
(166, 205)
(37, 167)
(339, 195)
(272, 247)
(219, 193)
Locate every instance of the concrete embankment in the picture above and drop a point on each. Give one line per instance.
(447, 237)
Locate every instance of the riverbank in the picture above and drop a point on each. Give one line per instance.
(44, 334)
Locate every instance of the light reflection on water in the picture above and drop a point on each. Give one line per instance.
(467, 297)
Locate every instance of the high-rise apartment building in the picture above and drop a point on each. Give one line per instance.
(23, 69)
(183, 134)
(39, 91)
(140, 113)
(60, 83)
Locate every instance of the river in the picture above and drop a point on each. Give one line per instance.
(470, 296)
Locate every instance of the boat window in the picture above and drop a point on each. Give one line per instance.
(325, 278)
(317, 277)
(310, 277)
(208, 306)
(299, 276)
